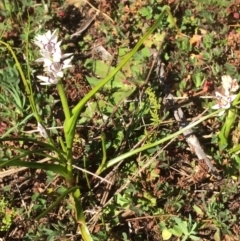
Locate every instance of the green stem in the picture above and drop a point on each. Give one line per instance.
(80, 216)
(104, 158)
(226, 128)
(64, 101)
(67, 114)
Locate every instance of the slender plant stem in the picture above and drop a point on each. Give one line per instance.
(64, 101)
(67, 114)
(104, 158)
(80, 216)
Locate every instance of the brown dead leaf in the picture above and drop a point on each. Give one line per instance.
(195, 39)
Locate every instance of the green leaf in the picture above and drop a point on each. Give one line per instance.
(166, 234)
(120, 96)
(117, 159)
(62, 171)
(207, 41)
(198, 78)
(198, 210)
(122, 200)
(217, 235)
(146, 12)
(155, 39)
(183, 225)
(70, 124)
(176, 231)
(45, 166)
(61, 190)
(101, 70)
(47, 146)
(195, 238)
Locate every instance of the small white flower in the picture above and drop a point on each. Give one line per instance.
(229, 84)
(53, 67)
(52, 48)
(42, 131)
(224, 102)
(48, 80)
(49, 58)
(53, 56)
(47, 41)
(57, 67)
(66, 63)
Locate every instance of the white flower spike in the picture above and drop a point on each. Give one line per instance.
(224, 102)
(54, 62)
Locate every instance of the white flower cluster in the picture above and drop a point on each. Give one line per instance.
(54, 61)
(224, 100)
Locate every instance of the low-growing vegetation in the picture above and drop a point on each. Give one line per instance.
(119, 120)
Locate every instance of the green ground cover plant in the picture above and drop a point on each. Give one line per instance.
(89, 144)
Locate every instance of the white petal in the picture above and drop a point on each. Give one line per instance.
(233, 97)
(48, 41)
(57, 56)
(40, 60)
(47, 62)
(229, 84)
(66, 63)
(39, 44)
(43, 78)
(59, 74)
(234, 86)
(226, 92)
(57, 46)
(66, 55)
(221, 113)
(54, 36)
(226, 81)
(225, 105)
(219, 95)
(47, 80)
(216, 107)
(42, 131)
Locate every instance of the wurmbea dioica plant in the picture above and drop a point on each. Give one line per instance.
(54, 63)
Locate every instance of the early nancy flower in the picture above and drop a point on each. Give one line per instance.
(224, 102)
(48, 42)
(57, 67)
(54, 62)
